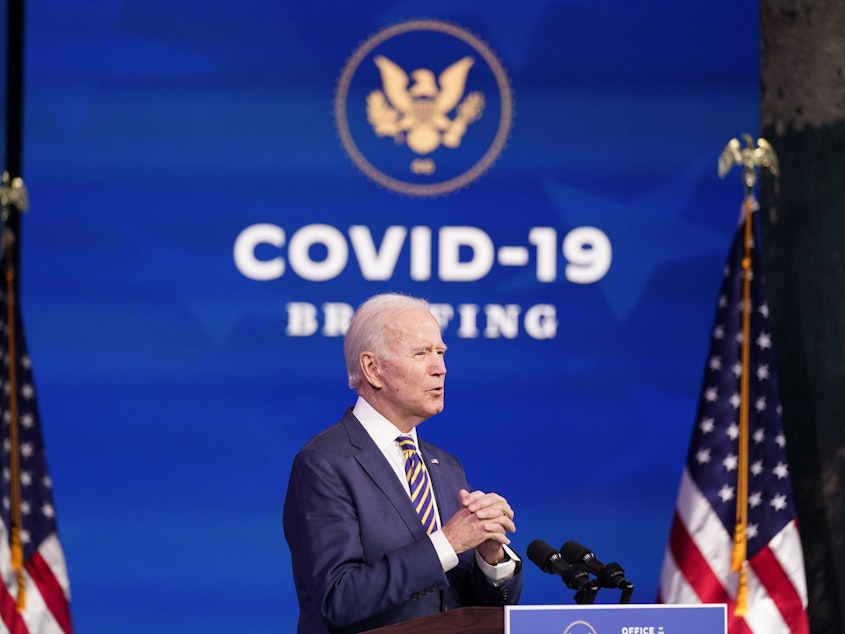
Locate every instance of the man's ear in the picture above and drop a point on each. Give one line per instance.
(370, 369)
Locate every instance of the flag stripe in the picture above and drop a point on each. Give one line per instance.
(12, 619)
(786, 547)
(51, 552)
(707, 585)
(763, 616)
(52, 593)
(779, 587)
(704, 527)
(673, 583)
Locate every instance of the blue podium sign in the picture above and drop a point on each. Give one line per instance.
(616, 619)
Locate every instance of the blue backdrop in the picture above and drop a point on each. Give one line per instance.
(214, 184)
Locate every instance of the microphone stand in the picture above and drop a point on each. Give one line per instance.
(612, 576)
(586, 597)
(578, 577)
(627, 591)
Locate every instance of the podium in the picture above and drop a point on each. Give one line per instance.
(570, 619)
(457, 621)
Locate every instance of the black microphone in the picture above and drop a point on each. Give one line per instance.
(546, 558)
(609, 575)
(575, 576)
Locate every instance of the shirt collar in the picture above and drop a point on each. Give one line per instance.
(381, 430)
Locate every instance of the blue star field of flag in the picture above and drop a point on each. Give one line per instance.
(713, 456)
(36, 496)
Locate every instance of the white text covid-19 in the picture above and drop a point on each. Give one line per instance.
(322, 252)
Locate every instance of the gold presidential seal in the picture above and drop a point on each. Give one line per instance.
(423, 108)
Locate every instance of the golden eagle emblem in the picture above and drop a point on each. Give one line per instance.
(749, 157)
(418, 113)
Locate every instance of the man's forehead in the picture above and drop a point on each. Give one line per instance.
(416, 329)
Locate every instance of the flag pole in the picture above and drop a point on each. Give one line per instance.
(13, 201)
(750, 158)
(14, 198)
(16, 543)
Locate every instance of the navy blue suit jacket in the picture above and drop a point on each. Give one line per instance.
(361, 558)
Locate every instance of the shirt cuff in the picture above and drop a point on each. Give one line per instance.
(448, 556)
(501, 572)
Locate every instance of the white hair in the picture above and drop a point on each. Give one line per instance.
(367, 331)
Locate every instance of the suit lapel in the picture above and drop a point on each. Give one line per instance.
(375, 465)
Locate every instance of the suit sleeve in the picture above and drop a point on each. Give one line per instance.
(332, 571)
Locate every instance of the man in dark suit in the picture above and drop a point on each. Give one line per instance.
(361, 555)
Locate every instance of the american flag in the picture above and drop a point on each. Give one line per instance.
(41, 604)
(697, 567)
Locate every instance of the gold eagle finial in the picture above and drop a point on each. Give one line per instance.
(749, 157)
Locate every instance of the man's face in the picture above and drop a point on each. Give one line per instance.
(413, 371)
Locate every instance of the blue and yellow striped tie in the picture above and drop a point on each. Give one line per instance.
(420, 485)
